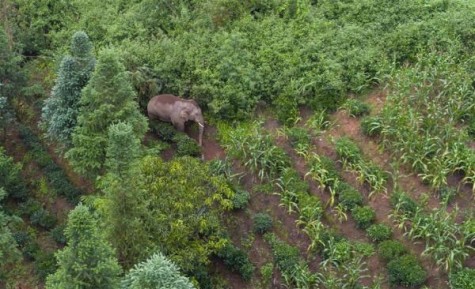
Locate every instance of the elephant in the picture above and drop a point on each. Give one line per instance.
(177, 110)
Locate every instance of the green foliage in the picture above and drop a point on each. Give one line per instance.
(154, 273)
(299, 136)
(60, 111)
(348, 196)
(371, 125)
(57, 233)
(255, 148)
(262, 222)
(407, 271)
(56, 176)
(240, 199)
(186, 146)
(402, 202)
(45, 264)
(87, 261)
(165, 130)
(11, 77)
(391, 249)
(145, 202)
(107, 99)
(237, 260)
(462, 279)
(364, 216)
(287, 259)
(43, 218)
(379, 232)
(10, 177)
(9, 253)
(123, 148)
(356, 108)
(348, 150)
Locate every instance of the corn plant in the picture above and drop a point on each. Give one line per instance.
(255, 148)
(318, 122)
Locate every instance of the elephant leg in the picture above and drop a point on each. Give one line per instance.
(179, 126)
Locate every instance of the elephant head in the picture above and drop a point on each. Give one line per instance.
(178, 111)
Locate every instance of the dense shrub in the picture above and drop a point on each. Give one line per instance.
(407, 271)
(403, 202)
(371, 125)
(240, 199)
(364, 216)
(262, 222)
(462, 279)
(57, 233)
(379, 232)
(299, 136)
(164, 130)
(285, 256)
(56, 176)
(10, 177)
(237, 260)
(356, 108)
(447, 194)
(348, 196)
(45, 264)
(391, 249)
(43, 218)
(186, 146)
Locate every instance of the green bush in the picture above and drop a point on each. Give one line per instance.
(348, 196)
(364, 216)
(43, 219)
(240, 199)
(285, 256)
(391, 249)
(356, 108)
(407, 271)
(45, 264)
(363, 248)
(237, 260)
(447, 194)
(371, 126)
(10, 177)
(57, 233)
(299, 136)
(403, 202)
(164, 130)
(186, 146)
(379, 232)
(348, 150)
(471, 128)
(462, 279)
(262, 222)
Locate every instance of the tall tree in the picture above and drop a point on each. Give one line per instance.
(9, 253)
(156, 273)
(124, 205)
(11, 76)
(88, 260)
(107, 99)
(59, 114)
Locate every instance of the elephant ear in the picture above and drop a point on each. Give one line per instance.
(185, 113)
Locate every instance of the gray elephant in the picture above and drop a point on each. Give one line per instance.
(177, 110)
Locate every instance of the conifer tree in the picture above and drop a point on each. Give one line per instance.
(11, 77)
(88, 260)
(107, 99)
(156, 273)
(9, 253)
(124, 205)
(59, 113)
